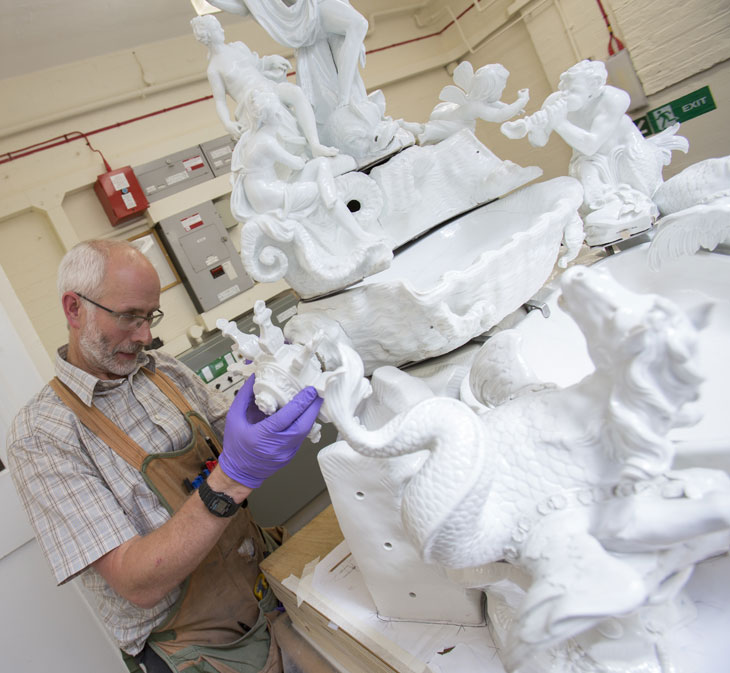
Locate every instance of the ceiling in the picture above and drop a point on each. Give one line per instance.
(38, 34)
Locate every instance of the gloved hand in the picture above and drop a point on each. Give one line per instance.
(254, 445)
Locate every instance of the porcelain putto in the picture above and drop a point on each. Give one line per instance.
(474, 95)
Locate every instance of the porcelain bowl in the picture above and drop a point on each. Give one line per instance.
(455, 283)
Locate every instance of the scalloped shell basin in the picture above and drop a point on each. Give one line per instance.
(481, 237)
(458, 281)
(555, 347)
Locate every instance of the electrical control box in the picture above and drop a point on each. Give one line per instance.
(173, 173)
(218, 153)
(121, 195)
(201, 249)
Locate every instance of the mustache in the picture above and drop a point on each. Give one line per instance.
(132, 349)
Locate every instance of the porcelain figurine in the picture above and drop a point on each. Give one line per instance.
(456, 283)
(474, 95)
(328, 37)
(234, 70)
(572, 487)
(695, 209)
(620, 169)
(299, 228)
(281, 369)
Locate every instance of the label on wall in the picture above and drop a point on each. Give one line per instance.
(680, 110)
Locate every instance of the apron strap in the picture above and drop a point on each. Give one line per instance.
(108, 431)
(165, 384)
(122, 444)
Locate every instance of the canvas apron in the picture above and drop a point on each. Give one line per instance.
(217, 624)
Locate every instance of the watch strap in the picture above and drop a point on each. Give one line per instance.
(217, 503)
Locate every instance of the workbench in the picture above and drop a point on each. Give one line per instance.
(315, 578)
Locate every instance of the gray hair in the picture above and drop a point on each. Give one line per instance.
(83, 268)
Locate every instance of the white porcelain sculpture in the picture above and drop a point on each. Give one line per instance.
(281, 369)
(695, 209)
(555, 348)
(474, 95)
(300, 228)
(425, 186)
(455, 283)
(328, 37)
(566, 493)
(620, 169)
(234, 70)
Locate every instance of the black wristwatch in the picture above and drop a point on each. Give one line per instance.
(217, 503)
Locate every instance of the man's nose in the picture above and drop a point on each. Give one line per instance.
(143, 333)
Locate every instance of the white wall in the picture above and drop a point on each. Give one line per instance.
(42, 627)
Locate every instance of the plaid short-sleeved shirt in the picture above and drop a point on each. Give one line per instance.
(82, 499)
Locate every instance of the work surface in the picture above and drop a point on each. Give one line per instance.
(317, 581)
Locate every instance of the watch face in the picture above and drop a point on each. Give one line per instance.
(220, 506)
(217, 503)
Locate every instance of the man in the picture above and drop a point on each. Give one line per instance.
(100, 458)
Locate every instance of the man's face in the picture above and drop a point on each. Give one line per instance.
(109, 351)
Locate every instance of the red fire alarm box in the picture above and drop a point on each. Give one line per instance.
(120, 195)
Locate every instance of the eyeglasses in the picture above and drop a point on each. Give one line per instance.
(129, 321)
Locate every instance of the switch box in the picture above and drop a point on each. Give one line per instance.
(218, 153)
(204, 255)
(173, 173)
(120, 195)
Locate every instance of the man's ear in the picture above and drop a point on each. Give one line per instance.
(71, 303)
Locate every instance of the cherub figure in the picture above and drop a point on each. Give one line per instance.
(620, 170)
(474, 95)
(234, 70)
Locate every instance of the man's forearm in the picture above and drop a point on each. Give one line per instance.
(146, 568)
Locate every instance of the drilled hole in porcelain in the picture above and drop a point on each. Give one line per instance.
(359, 495)
(354, 205)
(387, 546)
(412, 594)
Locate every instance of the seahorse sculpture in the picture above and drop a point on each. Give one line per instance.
(571, 485)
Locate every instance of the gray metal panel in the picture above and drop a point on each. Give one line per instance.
(173, 173)
(202, 245)
(204, 255)
(218, 153)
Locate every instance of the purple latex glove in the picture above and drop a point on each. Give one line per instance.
(254, 445)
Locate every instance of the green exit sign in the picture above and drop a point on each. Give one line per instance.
(680, 110)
